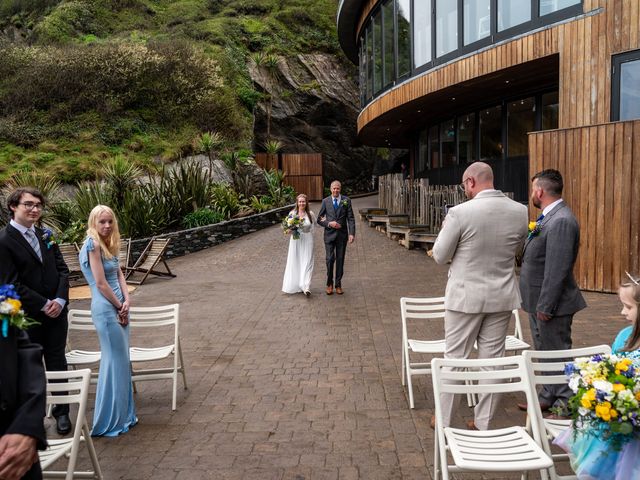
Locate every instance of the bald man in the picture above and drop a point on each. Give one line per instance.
(481, 238)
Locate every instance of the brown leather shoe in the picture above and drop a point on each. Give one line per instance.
(544, 406)
(339, 290)
(433, 422)
(329, 289)
(471, 425)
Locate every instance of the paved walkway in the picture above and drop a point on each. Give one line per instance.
(285, 387)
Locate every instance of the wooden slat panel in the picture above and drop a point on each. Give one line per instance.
(601, 165)
(302, 163)
(310, 185)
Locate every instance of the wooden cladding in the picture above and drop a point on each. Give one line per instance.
(303, 171)
(585, 46)
(601, 168)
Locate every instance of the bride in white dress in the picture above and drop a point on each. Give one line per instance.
(297, 275)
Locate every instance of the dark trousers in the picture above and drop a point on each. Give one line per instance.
(51, 335)
(35, 473)
(552, 335)
(335, 250)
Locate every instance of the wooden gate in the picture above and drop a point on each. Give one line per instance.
(303, 171)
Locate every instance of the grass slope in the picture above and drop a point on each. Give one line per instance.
(138, 78)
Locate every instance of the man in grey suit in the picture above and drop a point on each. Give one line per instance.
(336, 216)
(550, 294)
(481, 238)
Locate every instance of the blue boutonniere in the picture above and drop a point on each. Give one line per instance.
(49, 238)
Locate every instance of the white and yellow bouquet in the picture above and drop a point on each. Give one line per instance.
(607, 397)
(11, 313)
(292, 223)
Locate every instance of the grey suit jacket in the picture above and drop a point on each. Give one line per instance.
(481, 238)
(546, 277)
(344, 216)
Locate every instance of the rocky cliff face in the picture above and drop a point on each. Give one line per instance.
(314, 107)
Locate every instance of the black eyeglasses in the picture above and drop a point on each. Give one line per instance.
(31, 205)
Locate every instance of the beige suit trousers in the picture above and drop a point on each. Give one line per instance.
(462, 330)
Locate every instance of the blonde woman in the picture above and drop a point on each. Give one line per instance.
(299, 269)
(114, 410)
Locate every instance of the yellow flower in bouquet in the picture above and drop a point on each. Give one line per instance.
(11, 313)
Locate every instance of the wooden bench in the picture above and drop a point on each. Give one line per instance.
(411, 238)
(371, 211)
(386, 220)
(393, 230)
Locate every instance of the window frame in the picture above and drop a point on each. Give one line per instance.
(617, 61)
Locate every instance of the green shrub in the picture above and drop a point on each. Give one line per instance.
(261, 204)
(66, 21)
(225, 200)
(11, 7)
(75, 232)
(202, 217)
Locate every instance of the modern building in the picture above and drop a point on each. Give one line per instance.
(522, 85)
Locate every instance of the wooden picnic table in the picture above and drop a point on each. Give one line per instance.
(386, 220)
(403, 228)
(411, 238)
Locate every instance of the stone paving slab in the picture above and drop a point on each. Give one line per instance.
(288, 387)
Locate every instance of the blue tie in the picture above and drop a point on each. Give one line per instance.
(335, 204)
(540, 218)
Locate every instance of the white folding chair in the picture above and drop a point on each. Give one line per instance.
(80, 320)
(427, 309)
(77, 387)
(155, 317)
(510, 449)
(546, 367)
(515, 343)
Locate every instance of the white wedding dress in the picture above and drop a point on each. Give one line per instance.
(297, 274)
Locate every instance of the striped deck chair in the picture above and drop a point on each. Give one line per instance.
(69, 253)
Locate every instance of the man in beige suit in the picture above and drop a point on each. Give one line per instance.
(481, 238)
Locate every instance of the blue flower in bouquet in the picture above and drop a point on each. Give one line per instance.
(11, 313)
(292, 223)
(49, 238)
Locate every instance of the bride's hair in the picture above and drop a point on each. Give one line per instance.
(306, 207)
(633, 342)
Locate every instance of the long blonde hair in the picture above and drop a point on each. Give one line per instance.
(108, 247)
(633, 342)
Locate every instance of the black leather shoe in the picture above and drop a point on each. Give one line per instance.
(63, 424)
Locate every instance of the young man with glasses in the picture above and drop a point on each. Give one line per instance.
(41, 277)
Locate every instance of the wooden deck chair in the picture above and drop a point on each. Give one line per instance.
(70, 253)
(151, 257)
(77, 386)
(124, 254)
(155, 318)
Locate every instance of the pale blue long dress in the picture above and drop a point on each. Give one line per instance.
(114, 410)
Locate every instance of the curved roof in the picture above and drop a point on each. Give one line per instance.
(347, 20)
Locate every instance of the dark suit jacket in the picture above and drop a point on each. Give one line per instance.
(35, 281)
(547, 283)
(344, 216)
(22, 387)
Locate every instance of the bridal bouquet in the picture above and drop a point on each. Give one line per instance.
(11, 312)
(292, 223)
(607, 397)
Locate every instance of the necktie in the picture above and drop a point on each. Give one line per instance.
(33, 241)
(335, 204)
(539, 219)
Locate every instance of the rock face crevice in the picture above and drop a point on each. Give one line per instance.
(314, 107)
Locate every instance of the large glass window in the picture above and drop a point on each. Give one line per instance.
(626, 86)
(512, 13)
(477, 20)
(421, 32)
(521, 119)
(404, 37)
(387, 18)
(434, 147)
(423, 153)
(550, 6)
(377, 52)
(550, 111)
(369, 61)
(448, 143)
(467, 138)
(446, 27)
(491, 147)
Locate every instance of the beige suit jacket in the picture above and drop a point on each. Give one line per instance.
(481, 238)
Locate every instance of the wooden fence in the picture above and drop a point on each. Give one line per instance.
(303, 171)
(601, 169)
(423, 202)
